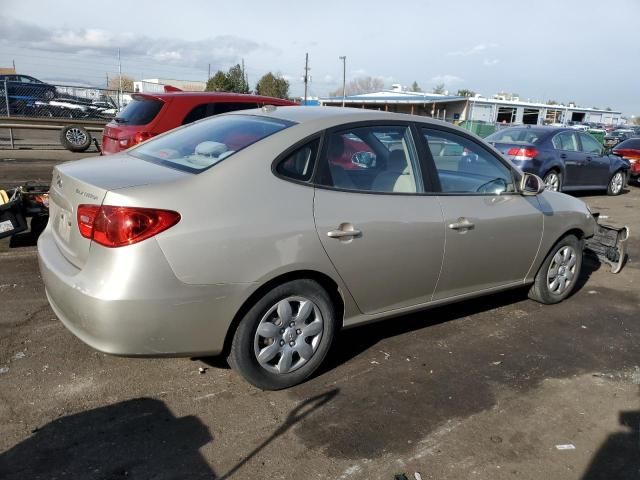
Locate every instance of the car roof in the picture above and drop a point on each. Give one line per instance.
(220, 96)
(335, 115)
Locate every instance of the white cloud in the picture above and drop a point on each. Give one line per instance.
(479, 48)
(490, 62)
(447, 79)
(220, 50)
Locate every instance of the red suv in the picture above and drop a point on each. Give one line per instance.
(150, 114)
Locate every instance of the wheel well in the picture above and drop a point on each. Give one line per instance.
(324, 280)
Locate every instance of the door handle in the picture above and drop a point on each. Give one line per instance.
(345, 230)
(461, 224)
(563, 155)
(589, 159)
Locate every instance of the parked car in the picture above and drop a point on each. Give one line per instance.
(613, 138)
(25, 88)
(149, 114)
(243, 235)
(630, 150)
(566, 159)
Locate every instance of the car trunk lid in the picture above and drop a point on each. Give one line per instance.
(87, 182)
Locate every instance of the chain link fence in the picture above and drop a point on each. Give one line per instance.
(44, 100)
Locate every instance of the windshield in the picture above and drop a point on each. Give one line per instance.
(199, 146)
(139, 111)
(515, 135)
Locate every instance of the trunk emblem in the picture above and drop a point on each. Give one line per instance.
(58, 180)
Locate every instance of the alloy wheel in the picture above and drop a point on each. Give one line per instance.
(76, 136)
(616, 183)
(552, 180)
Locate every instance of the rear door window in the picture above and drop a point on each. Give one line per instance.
(215, 108)
(299, 164)
(566, 141)
(140, 111)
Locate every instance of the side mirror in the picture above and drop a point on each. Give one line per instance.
(531, 184)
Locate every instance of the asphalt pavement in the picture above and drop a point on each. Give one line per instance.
(495, 388)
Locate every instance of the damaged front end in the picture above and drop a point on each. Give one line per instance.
(609, 244)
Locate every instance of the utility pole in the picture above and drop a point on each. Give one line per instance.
(107, 75)
(119, 81)
(306, 76)
(14, 65)
(344, 77)
(209, 74)
(244, 77)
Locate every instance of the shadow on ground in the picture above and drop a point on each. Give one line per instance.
(619, 456)
(137, 438)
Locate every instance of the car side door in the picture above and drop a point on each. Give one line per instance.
(384, 236)
(596, 169)
(567, 148)
(492, 232)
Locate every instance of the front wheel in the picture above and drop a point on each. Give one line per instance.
(553, 181)
(285, 336)
(559, 272)
(616, 183)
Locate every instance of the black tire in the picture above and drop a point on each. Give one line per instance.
(547, 177)
(75, 138)
(612, 187)
(540, 290)
(242, 356)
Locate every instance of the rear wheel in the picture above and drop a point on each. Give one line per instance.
(285, 336)
(559, 272)
(616, 183)
(553, 180)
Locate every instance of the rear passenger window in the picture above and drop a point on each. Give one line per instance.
(566, 141)
(377, 158)
(299, 164)
(465, 167)
(215, 108)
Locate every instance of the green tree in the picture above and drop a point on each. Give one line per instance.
(231, 81)
(439, 89)
(415, 87)
(464, 92)
(237, 81)
(218, 83)
(273, 86)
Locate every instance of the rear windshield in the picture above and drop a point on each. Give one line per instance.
(201, 145)
(516, 135)
(139, 111)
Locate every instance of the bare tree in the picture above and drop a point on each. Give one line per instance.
(127, 83)
(359, 86)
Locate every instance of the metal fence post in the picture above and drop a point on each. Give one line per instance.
(6, 100)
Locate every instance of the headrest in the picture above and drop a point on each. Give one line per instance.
(397, 162)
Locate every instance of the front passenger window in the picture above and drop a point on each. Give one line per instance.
(465, 167)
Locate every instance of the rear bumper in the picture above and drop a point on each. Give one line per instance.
(128, 302)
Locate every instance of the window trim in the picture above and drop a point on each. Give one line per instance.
(364, 124)
(428, 158)
(285, 155)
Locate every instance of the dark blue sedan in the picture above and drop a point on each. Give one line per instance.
(566, 159)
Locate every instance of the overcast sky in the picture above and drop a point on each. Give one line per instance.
(587, 51)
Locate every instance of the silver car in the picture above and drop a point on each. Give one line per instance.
(260, 234)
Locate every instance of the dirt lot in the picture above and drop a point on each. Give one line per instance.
(486, 389)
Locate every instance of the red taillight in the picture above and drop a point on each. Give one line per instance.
(522, 153)
(86, 216)
(118, 226)
(630, 153)
(139, 137)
